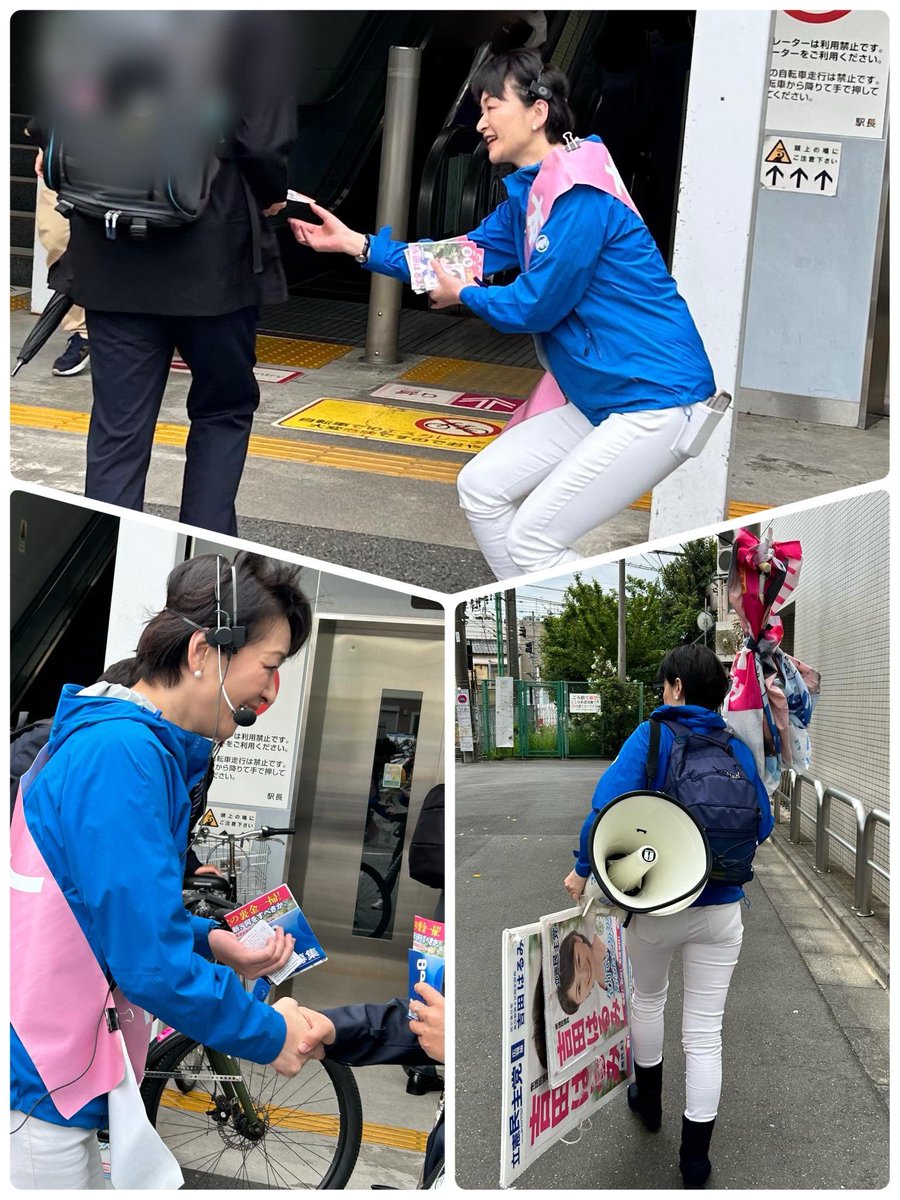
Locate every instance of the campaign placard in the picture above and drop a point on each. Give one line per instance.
(536, 1114)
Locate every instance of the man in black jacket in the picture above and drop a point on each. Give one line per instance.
(196, 289)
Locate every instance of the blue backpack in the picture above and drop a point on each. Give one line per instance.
(705, 777)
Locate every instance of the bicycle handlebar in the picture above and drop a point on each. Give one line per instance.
(268, 831)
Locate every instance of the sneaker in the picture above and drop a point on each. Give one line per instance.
(74, 358)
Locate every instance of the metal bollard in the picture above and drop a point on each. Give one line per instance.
(404, 66)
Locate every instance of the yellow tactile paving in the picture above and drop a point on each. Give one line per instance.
(297, 1120)
(19, 300)
(371, 462)
(295, 352)
(464, 375)
(320, 454)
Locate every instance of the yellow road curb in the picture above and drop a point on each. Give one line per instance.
(371, 462)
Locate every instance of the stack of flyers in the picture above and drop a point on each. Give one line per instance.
(426, 958)
(254, 923)
(458, 256)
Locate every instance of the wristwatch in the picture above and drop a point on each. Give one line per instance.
(363, 256)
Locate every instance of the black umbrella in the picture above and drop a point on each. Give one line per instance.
(56, 308)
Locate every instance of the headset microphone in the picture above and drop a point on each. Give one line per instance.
(244, 717)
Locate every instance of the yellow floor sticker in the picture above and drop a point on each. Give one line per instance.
(294, 352)
(385, 423)
(463, 375)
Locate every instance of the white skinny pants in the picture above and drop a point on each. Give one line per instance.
(710, 940)
(531, 493)
(52, 1157)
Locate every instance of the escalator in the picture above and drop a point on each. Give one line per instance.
(628, 73)
(59, 601)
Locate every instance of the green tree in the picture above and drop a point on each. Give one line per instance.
(581, 642)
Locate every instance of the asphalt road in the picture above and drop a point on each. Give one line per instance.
(803, 1104)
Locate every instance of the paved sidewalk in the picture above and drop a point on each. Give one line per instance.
(804, 1103)
(378, 506)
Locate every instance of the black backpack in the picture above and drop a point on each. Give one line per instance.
(426, 849)
(25, 743)
(704, 776)
(136, 118)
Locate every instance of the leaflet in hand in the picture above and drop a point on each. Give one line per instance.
(254, 924)
(458, 256)
(426, 958)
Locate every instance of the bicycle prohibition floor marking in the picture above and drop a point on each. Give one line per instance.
(298, 1120)
(386, 423)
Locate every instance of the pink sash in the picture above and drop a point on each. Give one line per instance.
(560, 171)
(58, 993)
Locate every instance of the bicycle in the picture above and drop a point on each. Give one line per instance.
(232, 1123)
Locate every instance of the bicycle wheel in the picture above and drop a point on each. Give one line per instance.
(311, 1125)
(373, 904)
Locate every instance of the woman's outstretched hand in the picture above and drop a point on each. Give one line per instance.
(331, 237)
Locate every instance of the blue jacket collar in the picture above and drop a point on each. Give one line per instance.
(691, 715)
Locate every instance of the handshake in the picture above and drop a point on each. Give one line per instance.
(309, 1032)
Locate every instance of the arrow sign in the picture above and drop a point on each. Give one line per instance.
(800, 175)
(776, 173)
(825, 178)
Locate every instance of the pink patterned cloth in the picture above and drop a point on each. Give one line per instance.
(58, 993)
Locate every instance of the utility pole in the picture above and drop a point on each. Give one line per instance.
(512, 634)
(498, 618)
(622, 649)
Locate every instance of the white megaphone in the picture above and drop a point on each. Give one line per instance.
(649, 854)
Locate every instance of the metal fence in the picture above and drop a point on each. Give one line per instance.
(561, 719)
(791, 792)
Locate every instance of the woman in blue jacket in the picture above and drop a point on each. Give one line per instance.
(624, 360)
(102, 823)
(709, 932)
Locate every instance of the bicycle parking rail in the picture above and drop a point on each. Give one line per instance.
(863, 845)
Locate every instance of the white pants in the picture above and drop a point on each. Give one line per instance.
(53, 1157)
(543, 484)
(710, 940)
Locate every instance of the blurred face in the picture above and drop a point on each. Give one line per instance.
(249, 674)
(584, 973)
(506, 126)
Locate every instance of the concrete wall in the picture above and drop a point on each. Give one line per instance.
(843, 630)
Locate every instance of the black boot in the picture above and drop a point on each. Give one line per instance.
(645, 1095)
(693, 1158)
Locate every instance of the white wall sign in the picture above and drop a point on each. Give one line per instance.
(256, 765)
(503, 703)
(829, 73)
(464, 721)
(804, 165)
(584, 702)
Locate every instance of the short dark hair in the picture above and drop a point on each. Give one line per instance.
(527, 76)
(702, 675)
(266, 589)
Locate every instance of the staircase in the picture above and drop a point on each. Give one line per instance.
(23, 201)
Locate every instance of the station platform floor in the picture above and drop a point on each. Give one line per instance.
(355, 464)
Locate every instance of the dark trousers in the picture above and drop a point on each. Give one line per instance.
(131, 355)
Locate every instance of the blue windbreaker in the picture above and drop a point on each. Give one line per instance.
(615, 333)
(629, 773)
(109, 813)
